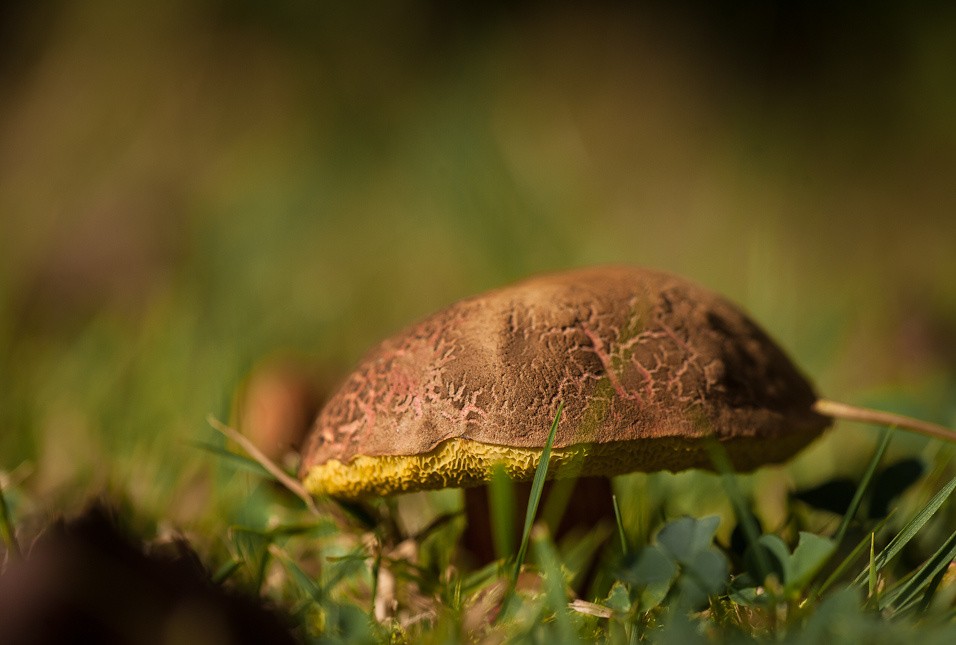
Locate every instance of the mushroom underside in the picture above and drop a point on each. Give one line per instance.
(462, 463)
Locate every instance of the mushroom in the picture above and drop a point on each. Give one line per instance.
(650, 367)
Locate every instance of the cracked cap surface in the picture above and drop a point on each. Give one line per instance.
(650, 367)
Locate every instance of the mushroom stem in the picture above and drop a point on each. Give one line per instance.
(587, 502)
(837, 410)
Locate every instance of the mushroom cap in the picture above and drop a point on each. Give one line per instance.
(650, 367)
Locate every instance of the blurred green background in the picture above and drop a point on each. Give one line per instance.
(190, 188)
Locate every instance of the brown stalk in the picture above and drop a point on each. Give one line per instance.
(837, 410)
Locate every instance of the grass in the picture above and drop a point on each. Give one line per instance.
(344, 574)
(135, 397)
(537, 487)
(392, 571)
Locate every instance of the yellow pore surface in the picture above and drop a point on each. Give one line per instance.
(461, 462)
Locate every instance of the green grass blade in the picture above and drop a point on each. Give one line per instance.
(909, 531)
(273, 469)
(242, 462)
(850, 559)
(481, 578)
(501, 495)
(436, 525)
(554, 587)
(313, 529)
(376, 571)
(863, 486)
(225, 571)
(947, 617)
(7, 531)
(742, 510)
(620, 525)
(340, 568)
(537, 486)
(908, 590)
(580, 552)
(253, 550)
(302, 580)
(559, 495)
(931, 590)
(871, 586)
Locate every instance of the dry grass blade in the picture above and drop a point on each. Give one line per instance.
(281, 476)
(590, 608)
(837, 410)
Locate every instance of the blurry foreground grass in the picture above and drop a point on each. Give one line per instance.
(393, 571)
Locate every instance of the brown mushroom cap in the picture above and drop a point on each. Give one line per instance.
(649, 367)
